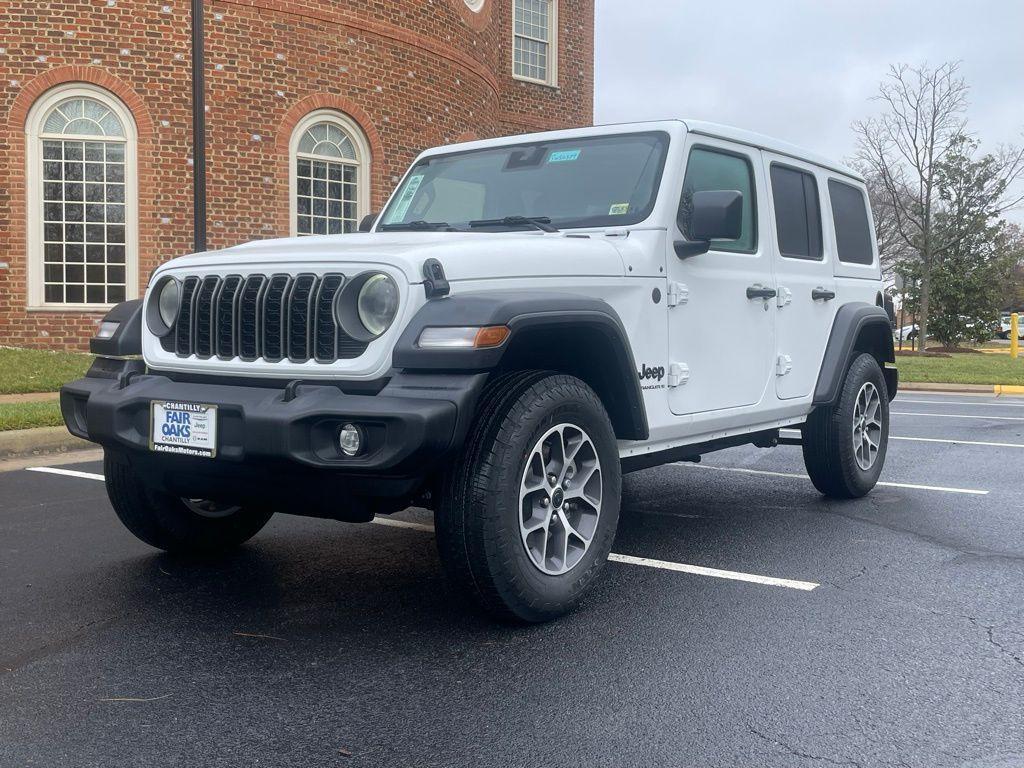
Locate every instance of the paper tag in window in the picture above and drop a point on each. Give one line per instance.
(402, 206)
(564, 156)
(618, 209)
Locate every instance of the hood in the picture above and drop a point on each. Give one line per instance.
(465, 255)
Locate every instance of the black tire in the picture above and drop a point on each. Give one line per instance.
(828, 436)
(168, 522)
(478, 521)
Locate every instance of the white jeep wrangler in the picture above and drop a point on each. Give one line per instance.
(527, 319)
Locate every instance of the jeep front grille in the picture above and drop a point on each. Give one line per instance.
(277, 317)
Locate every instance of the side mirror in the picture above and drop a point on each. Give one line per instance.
(715, 215)
(366, 223)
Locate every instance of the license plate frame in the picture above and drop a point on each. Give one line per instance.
(183, 428)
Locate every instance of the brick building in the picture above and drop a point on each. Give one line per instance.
(313, 109)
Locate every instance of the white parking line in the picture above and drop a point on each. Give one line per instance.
(959, 402)
(913, 486)
(958, 442)
(68, 472)
(957, 415)
(796, 433)
(698, 570)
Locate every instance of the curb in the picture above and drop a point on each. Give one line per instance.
(1009, 389)
(977, 389)
(41, 441)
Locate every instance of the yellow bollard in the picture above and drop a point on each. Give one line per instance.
(1014, 335)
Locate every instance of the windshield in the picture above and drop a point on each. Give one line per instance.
(585, 182)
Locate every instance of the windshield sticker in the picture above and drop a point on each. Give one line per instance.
(402, 206)
(564, 156)
(618, 209)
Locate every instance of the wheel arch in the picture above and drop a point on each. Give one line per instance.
(857, 328)
(562, 332)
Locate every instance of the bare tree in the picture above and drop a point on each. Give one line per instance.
(922, 119)
(892, 249)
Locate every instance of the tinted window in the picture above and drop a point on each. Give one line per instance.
(853, 227)
(708, 170)
(797, 213)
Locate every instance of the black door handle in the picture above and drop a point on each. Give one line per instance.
(823, 295)
(760, 292)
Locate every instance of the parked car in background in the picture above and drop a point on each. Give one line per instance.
(1004, 328)
(907, 332)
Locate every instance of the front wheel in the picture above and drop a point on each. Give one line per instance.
(844, 444)
(173, 524)
(528, 516)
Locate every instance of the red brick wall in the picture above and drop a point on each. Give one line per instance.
(412, 73)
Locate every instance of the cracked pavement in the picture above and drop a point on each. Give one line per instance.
(324, 644)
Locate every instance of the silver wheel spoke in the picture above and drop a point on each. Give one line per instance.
(867, 426)
(560, 499)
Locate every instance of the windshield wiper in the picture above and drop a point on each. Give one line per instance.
(542, 223)
(418, 225)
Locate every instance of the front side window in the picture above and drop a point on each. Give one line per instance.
(587, 182)
(853, 227)
(329, 176)
(533, 57)
(797, 213)
(79, 217)
(710, 170)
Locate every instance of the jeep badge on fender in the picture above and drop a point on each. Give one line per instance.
(652, 373)
(479, 350)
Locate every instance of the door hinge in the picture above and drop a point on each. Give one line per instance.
(783, 297)
(678, 374)
(677, 294)
(783, 365)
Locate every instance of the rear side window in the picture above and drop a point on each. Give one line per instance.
(797, 213)
(853, 227)
(708, 170)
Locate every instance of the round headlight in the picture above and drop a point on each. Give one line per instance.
(168, 301)
(162, 307)
(377, 303)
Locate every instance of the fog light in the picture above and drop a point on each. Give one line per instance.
(350, 440)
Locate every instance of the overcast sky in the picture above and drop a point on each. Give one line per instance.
(802, 70)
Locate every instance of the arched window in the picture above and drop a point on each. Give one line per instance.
(330, 174)
(82, 229)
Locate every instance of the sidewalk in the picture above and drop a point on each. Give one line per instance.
(31, 397)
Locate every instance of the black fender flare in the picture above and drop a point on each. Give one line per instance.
(522, 311)
(850, 321)
(126, 340)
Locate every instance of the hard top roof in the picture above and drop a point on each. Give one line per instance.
(700, 127)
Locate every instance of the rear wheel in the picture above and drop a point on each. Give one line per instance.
(844, 444)
(173, 524)
(528, 516)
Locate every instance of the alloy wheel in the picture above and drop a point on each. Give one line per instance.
(867, 426)
(560, 499)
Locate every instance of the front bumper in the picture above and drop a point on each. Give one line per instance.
(288, 435)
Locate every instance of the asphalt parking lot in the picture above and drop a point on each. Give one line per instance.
(883, 631)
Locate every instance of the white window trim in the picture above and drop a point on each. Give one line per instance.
(34, 189)
(363, 161)
(552, 81)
